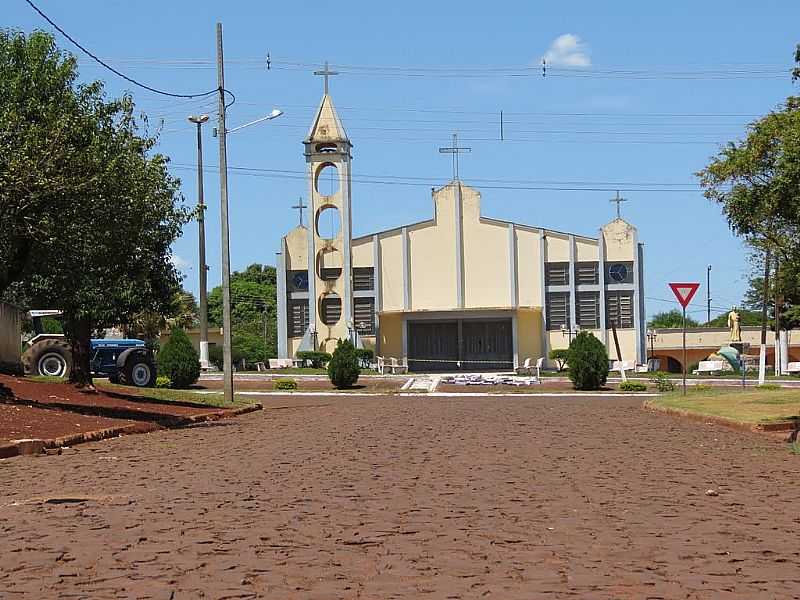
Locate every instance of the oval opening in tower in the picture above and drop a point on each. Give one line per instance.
(329, 222)
(327, 183)
(329, 264)
(330, 308)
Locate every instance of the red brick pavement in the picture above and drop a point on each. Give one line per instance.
(409, 498)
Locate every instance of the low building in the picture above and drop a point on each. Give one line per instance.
(458, 291)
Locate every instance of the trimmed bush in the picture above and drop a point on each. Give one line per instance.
(163, 382)
(632, 386)
(318, 360)
(343, 368)
(178, 360)
(365, 356)
(662, 382)
(285, 384)
(768, 387)
(588, 362)
(559, 355)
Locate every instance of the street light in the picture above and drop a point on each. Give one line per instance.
(276, 112)
(651, 335)
(201, 210)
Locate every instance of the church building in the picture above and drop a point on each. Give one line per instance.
(457, 291)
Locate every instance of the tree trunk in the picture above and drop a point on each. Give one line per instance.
(79, 333)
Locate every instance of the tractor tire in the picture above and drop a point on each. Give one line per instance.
(138, 371)
(51, 358)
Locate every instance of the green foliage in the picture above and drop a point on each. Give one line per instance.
(365, 356)
(215, 356)
(343, 367)
(178, 360)
(248, 346)
(559, 355)
(163, 381)
(588, 362)
(768, 387)
(632, 386)
(285, 384)
(89, 212)
(662, 381)
(670, 319)
(746, 317)
(254, 300)
(318, 360)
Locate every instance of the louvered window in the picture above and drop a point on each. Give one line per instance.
(330, 274)
(619, 309)
(363, 279)
(331, 309)
(557, 310)
(588, 310)
(556, 273)
(298, 318)
(364, 315)
(587, 273)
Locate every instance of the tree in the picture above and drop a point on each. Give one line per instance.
(559, 355)
(670, 319)
(182, 312)
(253, 300)
(106, 256)
(343, 368)
(588, 362)
(746, 318)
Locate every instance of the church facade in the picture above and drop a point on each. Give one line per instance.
(458, 291)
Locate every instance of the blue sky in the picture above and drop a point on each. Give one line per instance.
(639, 96)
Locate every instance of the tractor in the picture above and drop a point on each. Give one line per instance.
(125, 361)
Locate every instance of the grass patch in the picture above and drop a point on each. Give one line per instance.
(750, 406)
(169, 395)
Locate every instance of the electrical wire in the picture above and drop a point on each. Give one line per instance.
(119, 73)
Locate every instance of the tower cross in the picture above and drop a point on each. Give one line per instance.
(619, 200)
(326, 72)
(300, 206)
(455, 150)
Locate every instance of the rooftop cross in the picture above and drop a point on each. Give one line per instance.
(619, 200)
(300, 206)
(455, 150)
(326, 72)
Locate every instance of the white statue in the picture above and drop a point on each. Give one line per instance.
(733, 324)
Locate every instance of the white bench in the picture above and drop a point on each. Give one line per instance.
(527, 368)
(390, 365)
(709, 366)
(793, 367)
(623, 365)
(280, 363)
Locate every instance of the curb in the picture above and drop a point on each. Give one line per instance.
(37, 446)
(724, 421)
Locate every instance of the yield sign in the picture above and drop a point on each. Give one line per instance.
(684, 292)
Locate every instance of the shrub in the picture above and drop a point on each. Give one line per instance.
(318, 360)
(215, 356)
(163, 382)
(559, 355)
(662, 382)
(365, 356)
(178, 360)
(632, 386)
(343, 367)
(768, 387)
(285, 384)
(700, 387)
(588, 362)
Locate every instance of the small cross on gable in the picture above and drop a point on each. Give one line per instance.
(326, 72)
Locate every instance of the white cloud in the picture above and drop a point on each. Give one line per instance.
(180, 263)
(568, 50)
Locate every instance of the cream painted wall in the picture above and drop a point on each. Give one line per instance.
(391, 271)
(529, 260)
(529, 334)
(557, 247)
(362, 252)
(391, 333)
(432, 252)
(297, 246)
(486, 261)
(627, 342)
(619, 237)
(586, 250)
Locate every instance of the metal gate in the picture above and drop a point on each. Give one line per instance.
(460, 345)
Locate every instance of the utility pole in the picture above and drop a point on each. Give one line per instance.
(201, 218)
(708, 293)
(778, 302)
(762, 355)
(227, 366)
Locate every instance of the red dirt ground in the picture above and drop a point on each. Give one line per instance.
(26, 422)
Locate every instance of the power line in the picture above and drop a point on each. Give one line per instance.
(115, 71)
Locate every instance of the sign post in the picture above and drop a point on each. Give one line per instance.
(684, 292)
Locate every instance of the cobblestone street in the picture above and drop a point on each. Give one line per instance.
(401, 497)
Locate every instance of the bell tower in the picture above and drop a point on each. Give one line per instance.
(330, 296)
